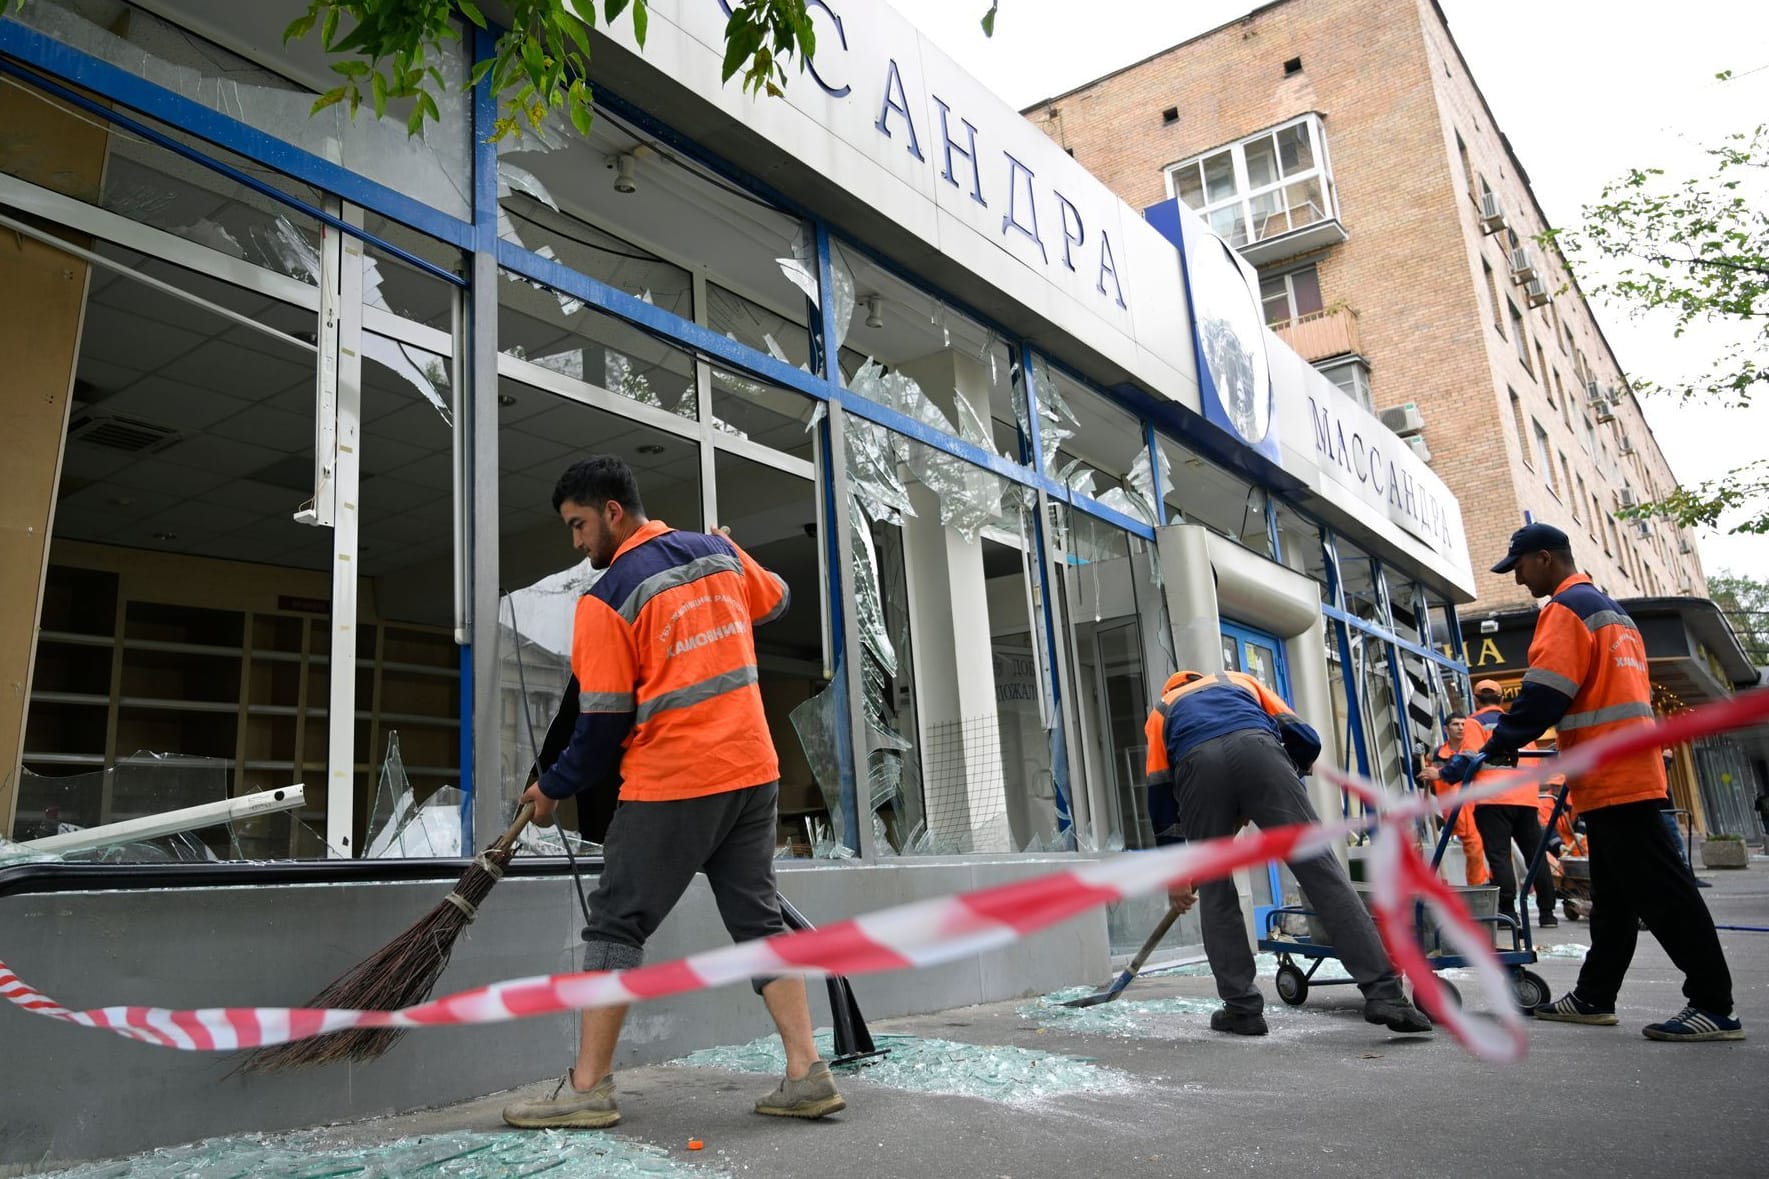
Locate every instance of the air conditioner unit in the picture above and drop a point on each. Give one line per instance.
(1417, 442)
(1492, 215)
(1523, 265)
(1644, 529)
(1404, 419)
(1603, 412)
(1684, 547)
(1535, 292)
(1687, 584)
(1626, 448)
(1594, 389)
(1625, 497)
(1617, 394)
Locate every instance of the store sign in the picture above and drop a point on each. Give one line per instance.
(1228, 330)
(887, 91)
(1357, 452)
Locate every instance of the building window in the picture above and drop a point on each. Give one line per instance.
(1522, 434)
(1467, 168)
(1289, 297)
(1352, 376)
(1542, 371)
(1566, 483)
(1261, 187)
(1578, 503)
(1518, 337)
(1492, 293)
(1544, 454)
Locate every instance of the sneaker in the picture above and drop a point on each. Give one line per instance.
(1694, 1025)
(594, 1110)
(1241, 1023)
(812, 1096)
(1547, 921)
(1398, 1014)
(1569, 1008)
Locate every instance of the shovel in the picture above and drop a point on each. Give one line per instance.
(1142, 955)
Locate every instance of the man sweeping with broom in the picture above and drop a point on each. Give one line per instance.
(666, 669)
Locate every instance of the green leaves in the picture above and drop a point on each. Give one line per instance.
(540, 67)
(1697, 250)
(989, 19)
(760, 37)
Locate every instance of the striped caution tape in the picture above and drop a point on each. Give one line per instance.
(930, 932)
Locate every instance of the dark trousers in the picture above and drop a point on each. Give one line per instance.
(1500, 827)
(653, 851)
(1636, 873)
(1247, 775)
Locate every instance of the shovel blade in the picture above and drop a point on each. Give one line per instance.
(1098, 997)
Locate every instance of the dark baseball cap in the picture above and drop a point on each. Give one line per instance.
(1533, 538)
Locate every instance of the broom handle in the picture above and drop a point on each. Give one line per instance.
(508, 839)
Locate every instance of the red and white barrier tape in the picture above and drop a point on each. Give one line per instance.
(930, 932)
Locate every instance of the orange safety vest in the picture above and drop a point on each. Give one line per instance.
(1183, 683)
(1475, 731)
(665, 636)
(1587, 648)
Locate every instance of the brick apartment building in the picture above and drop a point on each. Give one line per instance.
(1345, 149)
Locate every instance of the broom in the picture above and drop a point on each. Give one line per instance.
(401, 973)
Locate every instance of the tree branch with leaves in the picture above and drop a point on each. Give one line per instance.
(1697, 249)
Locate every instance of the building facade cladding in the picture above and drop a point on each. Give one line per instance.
(1405, 124)
(950, 538)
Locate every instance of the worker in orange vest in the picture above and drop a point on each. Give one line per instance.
(1231, 751)
(1587, 679)
(1473, 855)
(1509, 818)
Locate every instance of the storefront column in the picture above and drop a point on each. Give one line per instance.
(955, 669)
(40, 337)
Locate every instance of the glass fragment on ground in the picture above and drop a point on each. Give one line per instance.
(463, 1154)
(990, 1072)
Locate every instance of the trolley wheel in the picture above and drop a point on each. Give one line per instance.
(1572, 909)
(1292, 985)
(1530, 989)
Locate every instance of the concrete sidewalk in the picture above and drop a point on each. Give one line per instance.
(1325, 1093)
(1140, 1087)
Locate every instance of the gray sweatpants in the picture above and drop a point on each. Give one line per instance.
(1247, 775)
(652, 852)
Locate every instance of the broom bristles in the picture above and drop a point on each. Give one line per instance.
(400, 974)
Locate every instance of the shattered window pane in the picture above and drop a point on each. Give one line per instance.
(557, 332)
(154, 186)
(903, 347)
(529, 217)
(1090, 445)
(1204, 493)
(434, 167)
(958, 755)
(140, 786)
(404, 825)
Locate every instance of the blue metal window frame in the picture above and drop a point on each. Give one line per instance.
(120, 86)
(1157, 418)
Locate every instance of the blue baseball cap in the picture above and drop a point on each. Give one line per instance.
(1533, 538)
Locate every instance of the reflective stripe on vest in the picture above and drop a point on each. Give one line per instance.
(706, 689)
(1565, 685)
(1632, 710)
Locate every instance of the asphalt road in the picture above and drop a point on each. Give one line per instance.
(1324, 1094)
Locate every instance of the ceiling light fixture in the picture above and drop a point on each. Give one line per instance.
(874, 319)
(623, 173)
(649, 448)
(506, 400)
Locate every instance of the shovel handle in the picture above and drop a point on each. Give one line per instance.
(1155, 937)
